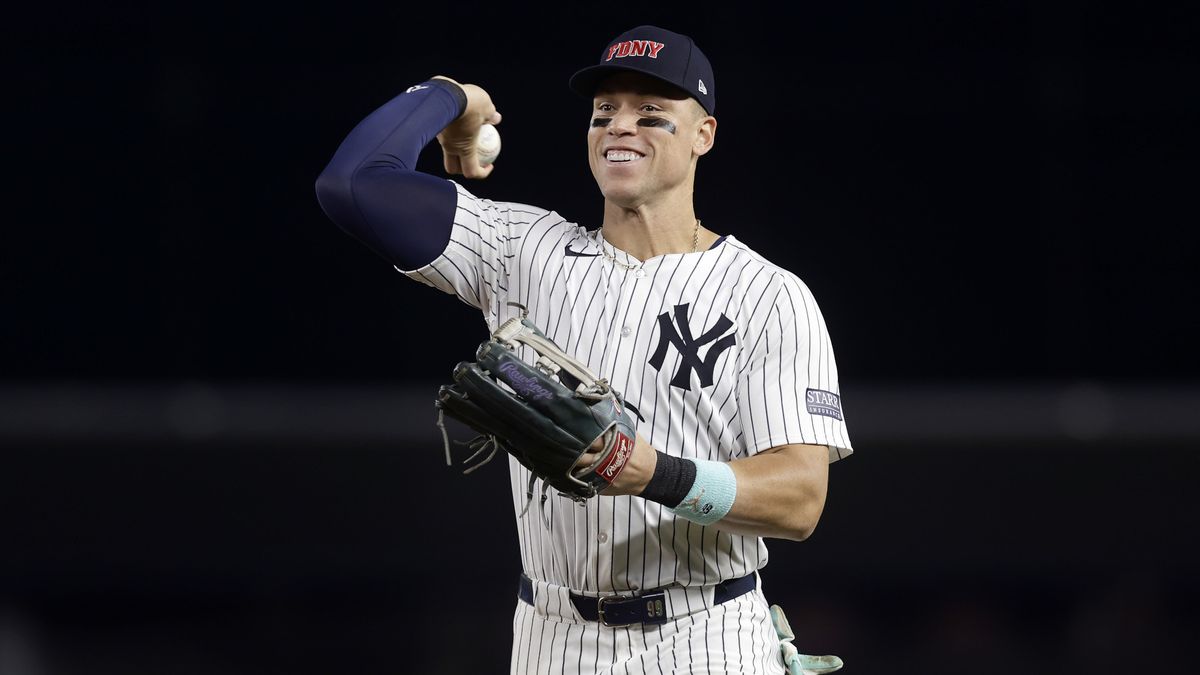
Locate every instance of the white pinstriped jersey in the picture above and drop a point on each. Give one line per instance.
(719, 355)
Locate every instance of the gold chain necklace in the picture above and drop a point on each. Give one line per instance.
(613, 259)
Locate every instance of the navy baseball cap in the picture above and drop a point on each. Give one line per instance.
(659, 53)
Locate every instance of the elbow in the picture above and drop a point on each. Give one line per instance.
(801, 525)
(334, 190)
(799, 531)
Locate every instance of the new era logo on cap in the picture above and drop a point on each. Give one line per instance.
(658, 53)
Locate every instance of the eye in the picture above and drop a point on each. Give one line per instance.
(650, 108)
(605, 107)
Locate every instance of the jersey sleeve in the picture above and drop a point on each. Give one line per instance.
(484, 245)
(789, 392)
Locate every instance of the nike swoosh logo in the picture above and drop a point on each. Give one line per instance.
(577, 254)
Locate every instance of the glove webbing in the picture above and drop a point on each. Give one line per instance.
(551, 358)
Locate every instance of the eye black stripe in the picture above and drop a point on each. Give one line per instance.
(659, 122)
(601, 121)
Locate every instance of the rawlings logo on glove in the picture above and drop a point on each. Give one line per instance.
(525, 386)
(611, 468)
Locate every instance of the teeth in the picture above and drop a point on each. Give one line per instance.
(621, 156)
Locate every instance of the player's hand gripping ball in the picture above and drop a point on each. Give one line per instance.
(487, 146)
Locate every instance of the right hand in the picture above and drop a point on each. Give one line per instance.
(459, 138)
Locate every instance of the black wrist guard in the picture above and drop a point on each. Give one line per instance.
(671, 482)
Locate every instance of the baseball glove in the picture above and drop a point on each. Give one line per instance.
(546, 415)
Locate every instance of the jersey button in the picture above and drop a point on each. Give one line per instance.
(625, 331)
(602, 538)
(640, 273)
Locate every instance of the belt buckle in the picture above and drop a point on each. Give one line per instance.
(654, 612)
(600, 603)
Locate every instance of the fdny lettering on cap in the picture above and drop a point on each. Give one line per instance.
(634, 48)
(821, 402)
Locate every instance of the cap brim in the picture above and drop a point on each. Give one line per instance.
(584, 82)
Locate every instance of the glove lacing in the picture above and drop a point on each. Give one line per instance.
(479, 444)
(490, 444)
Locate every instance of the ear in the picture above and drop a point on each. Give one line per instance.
(706, 135)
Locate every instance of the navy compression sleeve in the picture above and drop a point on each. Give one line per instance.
(371, 189)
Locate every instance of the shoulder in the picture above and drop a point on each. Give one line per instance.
(516, 212)
(763, 282)
(511, 214)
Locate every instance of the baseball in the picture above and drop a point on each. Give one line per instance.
(487, 146)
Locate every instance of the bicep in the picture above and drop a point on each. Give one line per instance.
(788, 391)
(797, 462)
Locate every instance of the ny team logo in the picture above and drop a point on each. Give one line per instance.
(689, 347)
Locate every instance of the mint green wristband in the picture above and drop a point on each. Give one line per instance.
(712, 493)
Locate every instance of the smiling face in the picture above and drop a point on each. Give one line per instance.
(644, 139)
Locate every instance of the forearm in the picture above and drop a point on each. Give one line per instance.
(779, 493)
(371, 189)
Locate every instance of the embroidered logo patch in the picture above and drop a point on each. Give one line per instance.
(821, 402)
(621, 50)
(611, 467)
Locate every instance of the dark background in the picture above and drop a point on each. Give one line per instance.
(216, 451)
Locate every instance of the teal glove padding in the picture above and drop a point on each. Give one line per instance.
(797, 663)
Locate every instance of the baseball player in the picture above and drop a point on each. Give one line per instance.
(722, 358)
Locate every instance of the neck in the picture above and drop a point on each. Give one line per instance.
(647, 231)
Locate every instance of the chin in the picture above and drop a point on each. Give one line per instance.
(624, 199)
(624, 193)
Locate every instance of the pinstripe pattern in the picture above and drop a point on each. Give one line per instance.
(609, 318)
(733, 637)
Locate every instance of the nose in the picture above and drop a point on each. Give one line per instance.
(622, 125)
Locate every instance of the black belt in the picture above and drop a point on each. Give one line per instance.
(649, 607)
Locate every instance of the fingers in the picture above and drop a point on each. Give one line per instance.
(480, 110)
(492, 119)
(468, 158)
(459, 157)
(451, 162)
(471, 168)
(459, 139)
